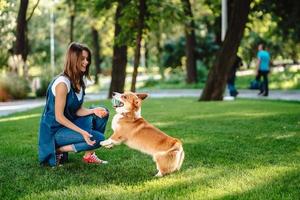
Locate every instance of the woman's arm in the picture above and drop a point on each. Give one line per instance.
(100, 112)
(61, 92)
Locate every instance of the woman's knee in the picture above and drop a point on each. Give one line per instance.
(97, 136)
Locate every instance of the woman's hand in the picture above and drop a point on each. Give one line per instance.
(87, 138)
(100, 112)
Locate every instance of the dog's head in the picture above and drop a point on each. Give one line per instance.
(128, 101)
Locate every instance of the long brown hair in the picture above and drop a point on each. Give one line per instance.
(72, 65)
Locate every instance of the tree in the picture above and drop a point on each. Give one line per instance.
(285, 12)
(119, 55)
(191, 68)
(137, 53)
(217, 77)
(96, 47)
(21, 45)
(72, 4)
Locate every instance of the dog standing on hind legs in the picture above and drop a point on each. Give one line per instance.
(131, 129)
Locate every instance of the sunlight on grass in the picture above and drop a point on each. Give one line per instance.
(163, 124)
(238, 183)
(230, 114)
(200, 183)
(7, 119)
(279, 136)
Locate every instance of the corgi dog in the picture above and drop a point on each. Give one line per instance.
(133, 130)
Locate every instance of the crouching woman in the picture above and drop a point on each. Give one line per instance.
(66, 126)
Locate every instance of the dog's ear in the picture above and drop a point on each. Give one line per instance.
(142, 95)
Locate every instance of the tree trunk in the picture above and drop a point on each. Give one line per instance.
(96, 52)
(217, 77)
(21, 45)
(72, 9)
(294, 55)
(119, 62)
(190, 46)
(159, 54)
(137, 53)
(72, 19)
(146, 55)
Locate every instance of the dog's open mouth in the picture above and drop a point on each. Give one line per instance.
(116, 103)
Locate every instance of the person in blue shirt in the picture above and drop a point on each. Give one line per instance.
(263, 69)
(66, 126)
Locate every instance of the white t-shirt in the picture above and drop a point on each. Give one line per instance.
(66, 81)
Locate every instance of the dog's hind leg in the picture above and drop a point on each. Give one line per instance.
(180, 158)
(165, 162)
(159, 160)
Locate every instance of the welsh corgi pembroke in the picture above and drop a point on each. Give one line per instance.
(133, 130)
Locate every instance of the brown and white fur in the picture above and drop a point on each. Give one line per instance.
(130, 128)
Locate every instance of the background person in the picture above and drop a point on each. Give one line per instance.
(232, 76)
(263, 69)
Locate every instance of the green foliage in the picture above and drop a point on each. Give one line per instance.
(206, 49)
(202, 71)
(7, 21)
(173, 52)
(243, 149)
(17, 87)
(45, 81)
(284, 12)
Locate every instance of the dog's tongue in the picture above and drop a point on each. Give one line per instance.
(116, 103)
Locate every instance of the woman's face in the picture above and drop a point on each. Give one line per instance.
(84, 61)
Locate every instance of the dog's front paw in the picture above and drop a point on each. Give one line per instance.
(109, 146)
(106, 143)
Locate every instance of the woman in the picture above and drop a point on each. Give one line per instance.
(66, 126)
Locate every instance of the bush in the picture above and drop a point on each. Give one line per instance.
(41, 92)
(202, 72)
(175, 76)
(4, 94)
(151, 82)
(14, 86)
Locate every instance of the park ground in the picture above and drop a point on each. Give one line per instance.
(243, 149)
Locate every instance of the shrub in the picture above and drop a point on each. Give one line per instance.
(202, 72)
(41, 92)
(4, 95)
(151, 82)
(15, 86)
(175, 76)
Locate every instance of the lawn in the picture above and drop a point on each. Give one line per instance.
(243, 149)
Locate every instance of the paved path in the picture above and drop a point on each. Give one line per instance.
(7, 108)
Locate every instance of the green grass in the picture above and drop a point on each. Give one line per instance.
(244, 149)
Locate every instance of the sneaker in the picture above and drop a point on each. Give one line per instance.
(59, 157)
(92, 158)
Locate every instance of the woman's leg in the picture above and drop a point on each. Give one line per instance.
(99, 124)
(68, 140)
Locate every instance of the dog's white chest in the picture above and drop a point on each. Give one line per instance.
(115, 121)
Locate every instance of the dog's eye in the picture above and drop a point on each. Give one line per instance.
(125, 97)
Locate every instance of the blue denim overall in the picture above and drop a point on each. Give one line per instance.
(53, 135)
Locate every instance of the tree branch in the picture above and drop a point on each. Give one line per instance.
(37, 3)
